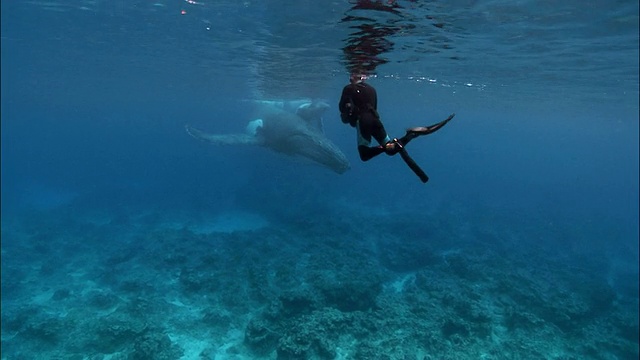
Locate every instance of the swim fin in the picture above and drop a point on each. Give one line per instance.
(425, 130)
(413, 166)
(413, 133)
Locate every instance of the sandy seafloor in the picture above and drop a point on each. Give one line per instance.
(453, 284)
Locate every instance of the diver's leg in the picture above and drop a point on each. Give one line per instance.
(380, 134)
(367, 153)
(388, 145)
(365, 150)
(367, 127)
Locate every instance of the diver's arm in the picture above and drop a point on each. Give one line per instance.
(345, 101)
(374, 99)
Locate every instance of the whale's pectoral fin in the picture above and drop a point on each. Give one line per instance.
(226, 139)
(311, 113)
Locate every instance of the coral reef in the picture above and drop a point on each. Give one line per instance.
(308, 289)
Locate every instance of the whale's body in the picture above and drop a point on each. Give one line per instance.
(289, 127)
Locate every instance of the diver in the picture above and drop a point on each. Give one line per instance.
(359, 108)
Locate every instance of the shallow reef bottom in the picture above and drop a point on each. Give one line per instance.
(148, 285)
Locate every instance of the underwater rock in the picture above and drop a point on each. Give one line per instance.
(214, 317)
(48, 331)
(515, 319)
(463, 267)
(298, 301)
(155, 346)
(114, 333)
(193, 281)
(294, 348)
(312, 336)
(453, 327)
(477, 317)
(367, 351)
(306, 336)
(61, 294)
(352, 296)
(17, 321)
(102, 300)
(260, 337)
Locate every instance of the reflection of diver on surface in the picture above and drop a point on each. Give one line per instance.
(390, 6)
(358, 107)
(363, 52)
(368, 42)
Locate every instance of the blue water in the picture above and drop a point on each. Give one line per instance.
(125, 238)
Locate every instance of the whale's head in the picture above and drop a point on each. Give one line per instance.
(312, 110)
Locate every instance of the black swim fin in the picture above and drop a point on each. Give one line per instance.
(413, 133)
(413, 166)
(425, 130)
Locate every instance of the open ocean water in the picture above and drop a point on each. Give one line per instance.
(125, 238)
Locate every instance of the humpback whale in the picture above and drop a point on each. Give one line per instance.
(292, 128)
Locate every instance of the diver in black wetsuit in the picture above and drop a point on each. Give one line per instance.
(358, 107)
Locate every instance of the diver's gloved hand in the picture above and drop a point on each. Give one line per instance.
(392, 147)
(349, 118)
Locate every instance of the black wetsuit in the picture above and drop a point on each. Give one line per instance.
(363, 114)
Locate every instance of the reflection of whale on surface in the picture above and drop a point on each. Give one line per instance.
(288, 127)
